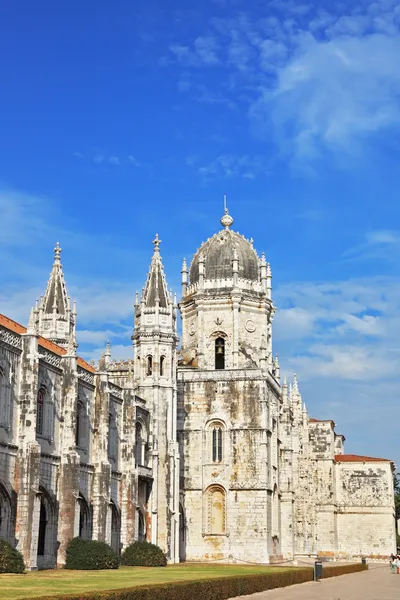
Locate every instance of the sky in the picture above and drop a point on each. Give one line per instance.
(120, 120)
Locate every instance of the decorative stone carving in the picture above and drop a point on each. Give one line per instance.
(250, 326)
(13, 339)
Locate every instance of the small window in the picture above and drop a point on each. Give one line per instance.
(79, 424)
(162, 364)
(40, 411)
(149, 365)
(220, 353)
(217, 444)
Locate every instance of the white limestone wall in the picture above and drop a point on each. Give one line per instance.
(365, 519)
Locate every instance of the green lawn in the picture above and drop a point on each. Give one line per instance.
(62, 581)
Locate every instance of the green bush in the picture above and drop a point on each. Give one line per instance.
(11, 561)
(90, 554)
(212, 589)
(143, 554)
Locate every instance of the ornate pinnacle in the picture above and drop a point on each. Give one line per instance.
(57, 252)
(156, 243)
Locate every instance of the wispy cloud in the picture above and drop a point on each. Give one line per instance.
(229, 166)
(375, 245)
(314, 80)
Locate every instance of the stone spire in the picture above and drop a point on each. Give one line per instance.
(54, 318)
(156, 290)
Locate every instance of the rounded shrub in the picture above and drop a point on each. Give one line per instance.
(143, 554)
(11, 561)
(90, 554)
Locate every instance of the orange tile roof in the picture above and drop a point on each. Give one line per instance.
(43, 342)
(310, 420)
(357, 458)
(11, 325)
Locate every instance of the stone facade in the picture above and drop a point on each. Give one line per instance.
(201, 450)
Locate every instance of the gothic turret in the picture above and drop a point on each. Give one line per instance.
(53, 317)
(155, 339)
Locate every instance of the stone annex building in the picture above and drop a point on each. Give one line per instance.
(202, 450)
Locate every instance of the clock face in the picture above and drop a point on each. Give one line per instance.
(250, 326)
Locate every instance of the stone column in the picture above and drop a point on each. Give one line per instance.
(28, 459)
(68, 519)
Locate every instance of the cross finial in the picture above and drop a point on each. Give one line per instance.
(57, 252)
(156, 242)
(225, 207)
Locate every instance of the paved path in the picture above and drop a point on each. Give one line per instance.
(378, 583)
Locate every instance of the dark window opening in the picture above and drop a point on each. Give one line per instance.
(220, 353)
(42, 529)
(79, 423)
(162, 362)
(40, 412)
(149, 365)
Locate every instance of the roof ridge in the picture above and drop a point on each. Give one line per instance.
(43, 342)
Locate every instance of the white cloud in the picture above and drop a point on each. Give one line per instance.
(114, 160)
(333, 94)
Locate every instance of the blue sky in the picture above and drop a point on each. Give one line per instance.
(122, 119)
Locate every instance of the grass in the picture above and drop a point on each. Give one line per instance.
(62, 581)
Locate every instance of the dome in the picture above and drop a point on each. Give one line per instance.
(218, 254)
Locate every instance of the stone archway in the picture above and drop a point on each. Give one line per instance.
(85, 519)
(7, 516)
(115, 528)
(47, 531)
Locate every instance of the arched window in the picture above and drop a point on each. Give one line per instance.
(141, 535)
(162, 365)
(215, 505)
(149, 366)
(214, 442)
(79, 427)
(7, 520)
(115, 528)
(42, 528)
(217, 443)
(85, 519)
(5, 399)
(220, 353)
(40, 411)
(139, 445)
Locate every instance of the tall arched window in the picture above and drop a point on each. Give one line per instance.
(40, 411)
(220, 353)
(149, 366)
(5, 400)
(217, 443)
(215, 505)
(162, 365)
(139, 445)
(42, 529)
(80, 424)
(112, 437)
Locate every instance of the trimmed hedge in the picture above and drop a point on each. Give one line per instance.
(338, 569)
(215, 589)
(11, 560)
(143, 554)
(206, 589)
(90, 555)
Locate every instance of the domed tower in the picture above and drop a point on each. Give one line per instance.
(226, 304)
(229, 399)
